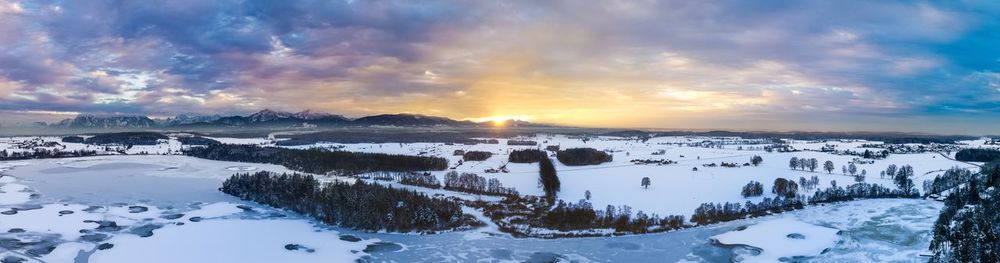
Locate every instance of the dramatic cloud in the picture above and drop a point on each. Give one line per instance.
(812, 65)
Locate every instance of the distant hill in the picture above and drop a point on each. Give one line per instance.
(408, 120)
(270, 118)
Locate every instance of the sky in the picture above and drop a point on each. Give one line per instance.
(913, 66)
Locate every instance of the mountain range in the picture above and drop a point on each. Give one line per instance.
(264, 118)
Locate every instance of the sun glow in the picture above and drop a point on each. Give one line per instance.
(500, 121)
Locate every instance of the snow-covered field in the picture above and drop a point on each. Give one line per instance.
(56, 210)
(676, 189)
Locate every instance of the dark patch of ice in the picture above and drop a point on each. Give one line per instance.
(294, 247)
(246, 208)
(172, 216)
(145, 230)
(502, 254)
(16, 230)
(137, 209)
(41, 249)
(382, 246)
(12, 259)
(105, 225)
(105, 246)
(350, 238)
(544, 257)
(623, 245)
(195, 219)
(65, 212)
(95, 237)
(13, 243)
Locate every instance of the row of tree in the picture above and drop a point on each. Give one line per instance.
(41, 153)
(319, 161)
(420, 179)
(855, 191)
(472, 183)
(582, 216)
(359, 205)
(126, 138)
(709, 213)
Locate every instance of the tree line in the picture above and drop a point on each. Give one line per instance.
(569, 216)
(40, 153)
(359, 205)
(126, 138)
(319, 161)
(473, 183)
(977, 155)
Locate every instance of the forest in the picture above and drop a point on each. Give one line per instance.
(472, 183)
(476, 156)
(359, 205)
(319, 161)
(968, 228)
(526, 156)
(977, 155)
(126, 138)
(582, 156)
(196, 140)
(43, 154)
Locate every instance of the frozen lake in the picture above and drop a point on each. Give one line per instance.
(174, 190)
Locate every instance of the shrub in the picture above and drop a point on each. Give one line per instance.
(753, 188)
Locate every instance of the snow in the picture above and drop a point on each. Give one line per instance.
(232, 241)
(66, 251)
(675, 189)
(11, 194)
(48, 220)
(781, 238)
(77, 193)
(871, 230)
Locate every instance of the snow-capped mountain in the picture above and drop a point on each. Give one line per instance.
(188, 119)
(93, 121)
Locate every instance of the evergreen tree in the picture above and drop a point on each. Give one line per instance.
(548, 179)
